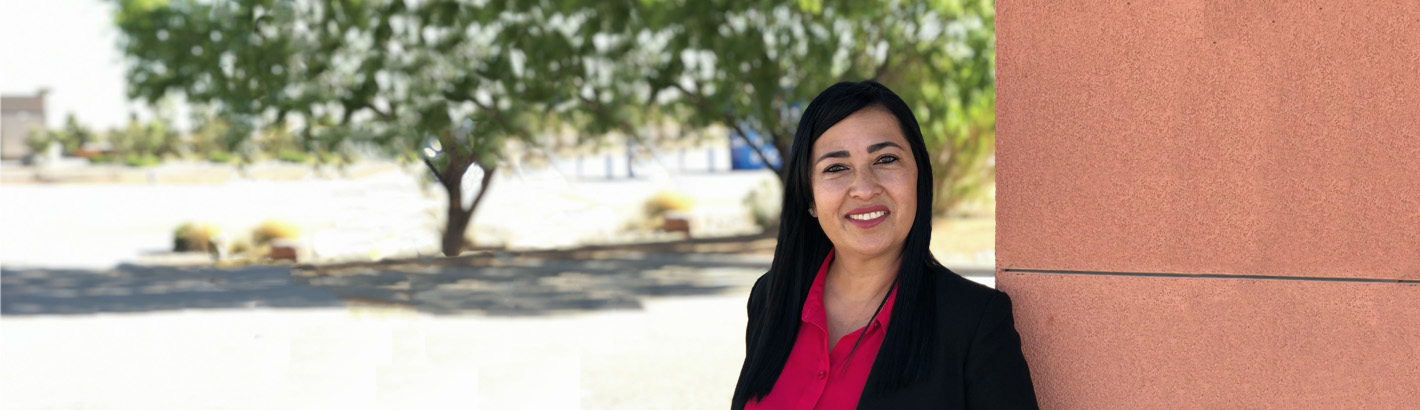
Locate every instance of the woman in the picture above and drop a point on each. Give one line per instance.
(855, 312)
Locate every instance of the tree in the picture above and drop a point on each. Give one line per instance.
(74, 135)
(446, 78)
(141, 144)
(947, 63)
(752, 65)
(454, 79)
(207, 139)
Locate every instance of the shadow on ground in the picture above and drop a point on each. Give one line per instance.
(495, 285)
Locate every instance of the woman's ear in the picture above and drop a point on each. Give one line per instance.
(811, 212)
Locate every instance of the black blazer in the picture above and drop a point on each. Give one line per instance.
(979, 364)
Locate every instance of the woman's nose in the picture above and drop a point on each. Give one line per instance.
(865, 186)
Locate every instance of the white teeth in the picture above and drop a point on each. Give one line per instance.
(868, 216)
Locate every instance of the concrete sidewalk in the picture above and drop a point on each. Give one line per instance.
(654, 332)
(675, 353)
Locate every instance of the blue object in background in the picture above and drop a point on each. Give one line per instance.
(742, 155)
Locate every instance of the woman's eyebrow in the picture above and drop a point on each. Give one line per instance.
(834, 154)
(871, 149)
(881, 145)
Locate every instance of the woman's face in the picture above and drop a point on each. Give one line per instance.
(865, 183)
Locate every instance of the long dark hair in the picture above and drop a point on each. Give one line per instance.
(802, 247)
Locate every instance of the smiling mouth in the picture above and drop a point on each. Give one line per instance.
(867, 216)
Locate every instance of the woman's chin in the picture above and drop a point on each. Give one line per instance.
(868, 247)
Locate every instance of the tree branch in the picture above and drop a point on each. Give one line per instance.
(498, 115)
(483, 186)
(732, 122)
(435, 169)
(623, 125)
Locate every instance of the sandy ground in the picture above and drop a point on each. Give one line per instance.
(389, 213)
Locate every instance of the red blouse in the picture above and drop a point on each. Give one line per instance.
(814, 377)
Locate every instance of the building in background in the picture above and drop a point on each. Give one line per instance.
(18, 114)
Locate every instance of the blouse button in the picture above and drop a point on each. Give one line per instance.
(822, 374)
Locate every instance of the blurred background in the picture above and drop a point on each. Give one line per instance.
(388, 204)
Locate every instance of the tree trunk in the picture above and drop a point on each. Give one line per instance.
(782, 143)
(943, 177)
(456, 224)
(459, 217)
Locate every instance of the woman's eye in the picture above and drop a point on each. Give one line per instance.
(887, 159)
(834, 168)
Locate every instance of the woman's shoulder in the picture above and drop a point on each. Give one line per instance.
(962, 296)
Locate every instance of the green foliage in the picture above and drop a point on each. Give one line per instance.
(141, 144)
(291, 155)
(103, 159)
(334, 158)
(753, 65)
(73, 136)
(222, 157)
(280, 144)
(764, 203)
(38, 140)
(207, 140)
(377, 72)
(400, 75)
(141, 160)
(391, 74)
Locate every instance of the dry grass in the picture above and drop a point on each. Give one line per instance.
(274, 229)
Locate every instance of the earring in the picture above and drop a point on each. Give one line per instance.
(812, 213)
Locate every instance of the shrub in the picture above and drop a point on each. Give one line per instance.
(221, 157)
(764, 203)
(191, 237)
(667, 201)
(290, 155)
(38, 140)
(143, 145)
(209, 139)
(273, 229)
(141, 160)
(332, 158)
(240, 246)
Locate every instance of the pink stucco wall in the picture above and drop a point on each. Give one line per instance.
(1212, 204)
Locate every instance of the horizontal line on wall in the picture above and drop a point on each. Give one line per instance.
(1211, 276)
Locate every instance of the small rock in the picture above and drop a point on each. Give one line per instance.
(282, 249)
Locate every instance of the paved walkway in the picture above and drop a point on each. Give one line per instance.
(658, 331)
(680, 353)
